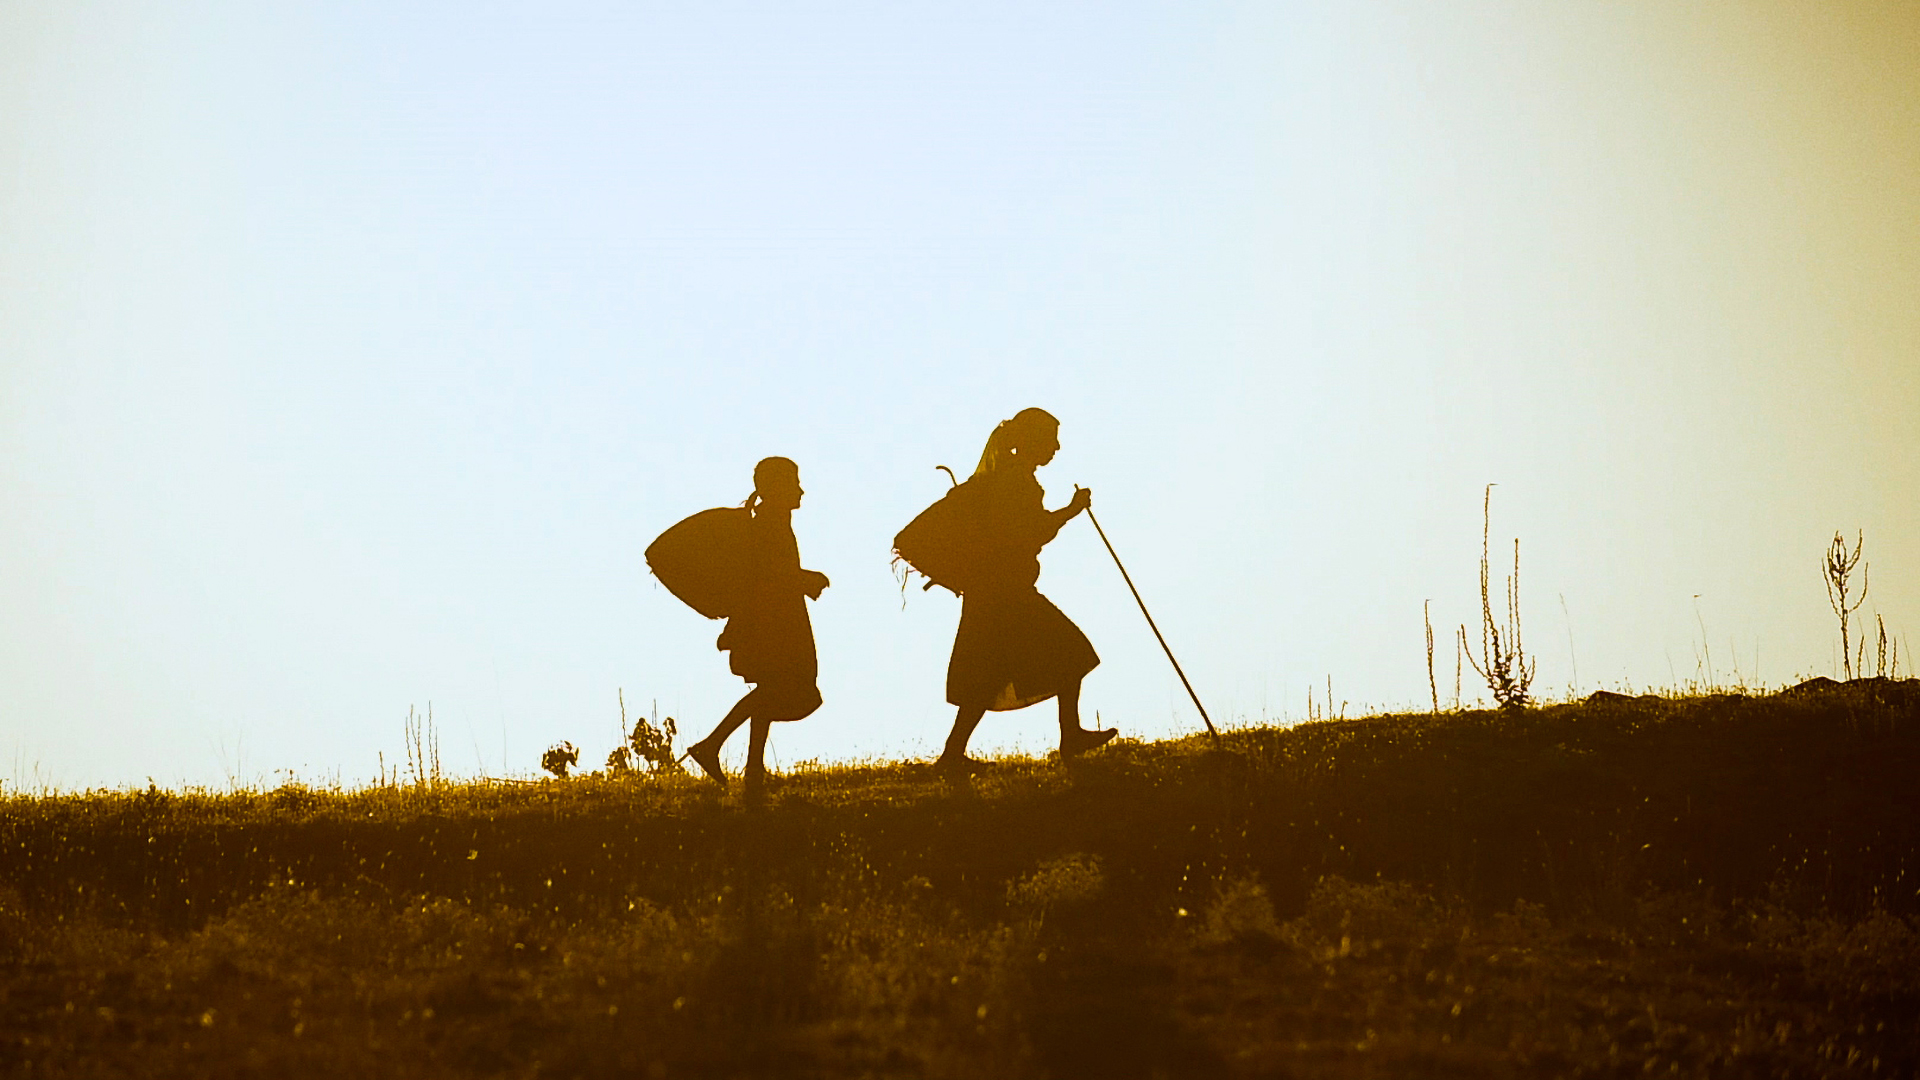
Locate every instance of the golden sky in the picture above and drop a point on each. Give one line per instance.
(351, 354)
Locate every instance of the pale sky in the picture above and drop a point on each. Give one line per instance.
(352, 353)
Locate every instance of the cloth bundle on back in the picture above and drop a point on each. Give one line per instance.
(705, 560)
(743, 564)
(982, 540)
(944, 542)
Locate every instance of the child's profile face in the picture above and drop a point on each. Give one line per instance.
(782, 492)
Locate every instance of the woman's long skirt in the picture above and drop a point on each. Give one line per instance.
(1014, 649)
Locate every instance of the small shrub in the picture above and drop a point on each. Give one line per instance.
(649, 741)
(292, 796)
(1241, 912)
(559, 758)
(654, 745)
(1355, 915)
(1068, 881)
(1503, 660)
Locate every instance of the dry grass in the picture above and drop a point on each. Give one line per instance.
(1717, 885)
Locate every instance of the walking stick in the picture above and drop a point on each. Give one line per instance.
(1151, 625)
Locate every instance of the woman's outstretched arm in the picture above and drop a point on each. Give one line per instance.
(1057, 519)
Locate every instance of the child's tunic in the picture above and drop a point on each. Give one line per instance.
(771, 639)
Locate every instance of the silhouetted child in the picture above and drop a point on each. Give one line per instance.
(769, 636)
(1014, 648)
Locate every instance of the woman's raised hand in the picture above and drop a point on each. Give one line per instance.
(1082, 499)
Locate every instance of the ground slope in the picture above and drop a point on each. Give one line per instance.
(1721, 885)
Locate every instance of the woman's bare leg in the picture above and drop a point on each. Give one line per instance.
(1069, 711)
(1075, 739)
(964, 722)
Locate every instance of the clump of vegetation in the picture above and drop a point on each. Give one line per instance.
(1065, 882)
(559, 758)
(1241, 914)
(654, 745)
(423, 748)
(1503, 661)
(1838, 567)
(648, 744)
(645, 749)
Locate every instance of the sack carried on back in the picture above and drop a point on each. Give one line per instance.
(944, 542)
(705, 560)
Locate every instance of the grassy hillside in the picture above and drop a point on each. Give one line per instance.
(1627, 886)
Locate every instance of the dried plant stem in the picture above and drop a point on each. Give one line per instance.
(1426, 614)
(422, 742)
(1838, 566)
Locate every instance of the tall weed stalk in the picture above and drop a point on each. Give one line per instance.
(1503, 661)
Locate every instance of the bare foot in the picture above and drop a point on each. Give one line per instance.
(958, 765)
(1077, 741)
(708, 758)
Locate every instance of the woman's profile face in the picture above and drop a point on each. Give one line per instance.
(1040, 449)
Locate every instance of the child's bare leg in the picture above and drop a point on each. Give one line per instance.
(754, 777)
(706, 752)
(757, 747)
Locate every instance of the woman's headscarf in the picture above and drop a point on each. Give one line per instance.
(1023, 429)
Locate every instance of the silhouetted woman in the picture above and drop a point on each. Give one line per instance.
(771, 638)
(1014, 648)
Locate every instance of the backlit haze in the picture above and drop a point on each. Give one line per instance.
(350, 354)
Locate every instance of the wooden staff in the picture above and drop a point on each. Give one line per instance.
(1151, 625)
